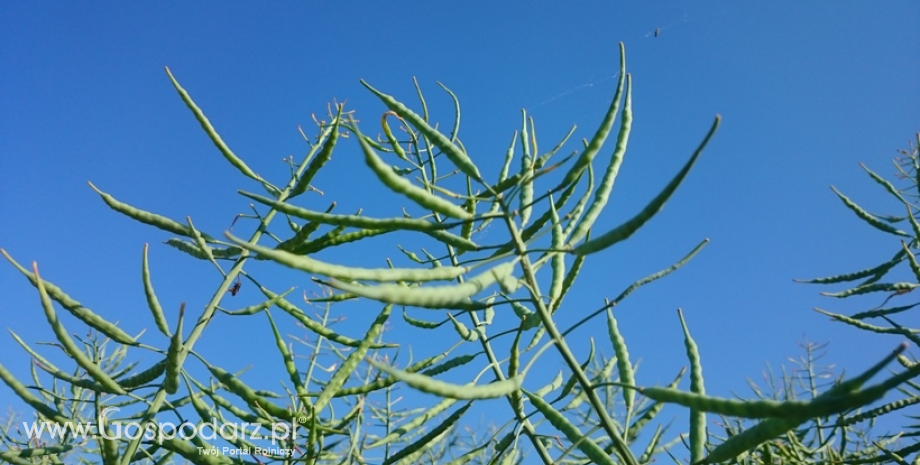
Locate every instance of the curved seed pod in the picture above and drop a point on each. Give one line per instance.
(351, 363)
(698, 433)
(873, 220)
(570, 384)
(324, 155)
(338, 239)
(32, 352)
(421, 323)
(174, 356)
(585, 444)
(300, 237)
(537, 337)
(569, 279)
(397, 149)
(75, 308)
(646, 456)
(879, 411)
(200, 406)
(624, 367)
(575, 215)
(451, 151)
(886, 184)
(343, 272)
(354, 221)
(914, 225)
(649, 414)
(389, 381)
(315, 326)
(489, 312)
(901, 287)
(455, 362)
(158, 317)
(626, 229)
(869, 327)
(257, 308)
(914, 266)
(750, 438)
(23, 392)
(456, 296)
(255, 401)
(147, 376)
(600, 136)
(196, 252)
(157, 221)
(191, 452)
(471, 391)
(230, 407)
(504, 182)
(552, 386)
(763, 408)
(428, 440)
(287, 358)
(202, 245)
(402, 186)
(462, 330)
(212, 133)
(456, 128)
(613, 169)
(530, 231)
(92, 369)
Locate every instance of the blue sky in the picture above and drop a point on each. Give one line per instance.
(807, 91)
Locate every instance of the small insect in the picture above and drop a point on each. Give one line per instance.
(657, 32)
(235, 287)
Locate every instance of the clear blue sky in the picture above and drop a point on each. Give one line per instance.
(807, 91)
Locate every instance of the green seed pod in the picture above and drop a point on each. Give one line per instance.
(402, 186)
(315, 326)
(157, 221)
(75, 308)
(698, 434)
(462, 330)
(869, 218)
(624, 366)
(174, 356)
(454, 153)
(258, 308)
(389, 381)
(255, 401)
(527, 162)
(623, 231)
(147, 376)
(600, 136)
(289, 365)
(30, 399)
(616, 160)
(584, 443)
(354, 221)
(421, 323)
(350, 364)
(152, 302)
(436, 297)
(231, 157)
(324, 155)
(411, 452)
(439, 388)
(92, 369)
(343, 272)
